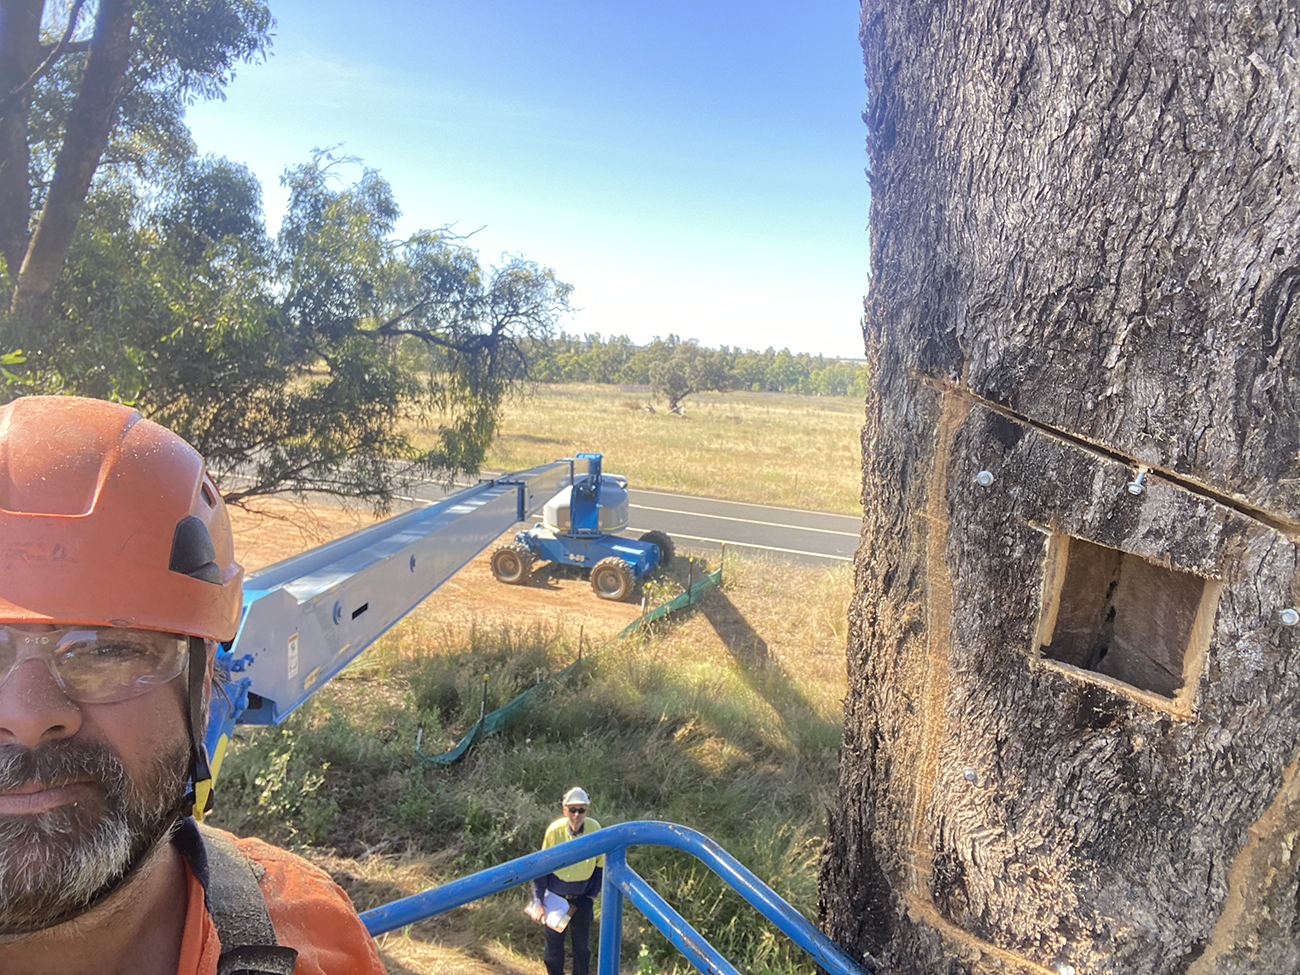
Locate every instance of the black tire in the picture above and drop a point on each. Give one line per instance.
(512, 564)
(666, 549)
(612, 579)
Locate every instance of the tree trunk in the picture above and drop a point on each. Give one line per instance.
(20, 55)
(1074, 697)
(85, 135)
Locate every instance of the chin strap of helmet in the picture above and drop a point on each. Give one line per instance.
(199, 799)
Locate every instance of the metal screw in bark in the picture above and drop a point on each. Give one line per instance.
(984, 478)
(970, 775)
(1136, 486)
(1289, 616)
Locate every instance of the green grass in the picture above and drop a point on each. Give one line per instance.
(726, 719)
(769, 448)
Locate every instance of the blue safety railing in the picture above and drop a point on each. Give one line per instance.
(621, 881)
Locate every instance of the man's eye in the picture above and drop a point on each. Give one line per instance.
(105, 652)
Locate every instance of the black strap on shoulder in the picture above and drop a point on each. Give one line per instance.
(235, 903)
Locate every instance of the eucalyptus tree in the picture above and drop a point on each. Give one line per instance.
(76, 92)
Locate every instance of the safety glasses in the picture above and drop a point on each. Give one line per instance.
(96, 665)
(578, 809)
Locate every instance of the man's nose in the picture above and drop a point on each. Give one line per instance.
(33, 708)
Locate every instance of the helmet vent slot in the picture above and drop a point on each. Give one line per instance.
(207, 496)
(193, 553)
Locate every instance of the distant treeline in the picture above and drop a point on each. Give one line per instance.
(594, 359)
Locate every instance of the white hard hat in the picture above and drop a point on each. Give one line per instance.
(576, 797)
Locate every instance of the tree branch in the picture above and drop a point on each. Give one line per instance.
(71, 47)
(55, 52)
(20, 36)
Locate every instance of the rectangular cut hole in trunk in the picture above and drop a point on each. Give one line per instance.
(1119, 615)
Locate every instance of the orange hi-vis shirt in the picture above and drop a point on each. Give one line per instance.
(308, 911)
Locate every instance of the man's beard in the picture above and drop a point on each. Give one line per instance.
(57, 863)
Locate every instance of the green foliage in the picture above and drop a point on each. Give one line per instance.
(687, 369)
(291, 364)
(190, 47)
(679, 368)
(10, 359)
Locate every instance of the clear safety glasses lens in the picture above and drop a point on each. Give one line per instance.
(97, 665)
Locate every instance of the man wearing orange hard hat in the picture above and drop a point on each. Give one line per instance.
(117, 581)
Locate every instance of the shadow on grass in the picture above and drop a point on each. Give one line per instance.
(755, 662)
(532, 438)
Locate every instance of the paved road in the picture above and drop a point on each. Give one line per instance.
(815, 537)
(705, 524)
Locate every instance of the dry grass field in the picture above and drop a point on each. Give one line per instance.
(769, 448)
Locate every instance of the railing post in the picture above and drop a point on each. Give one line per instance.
(611, 912)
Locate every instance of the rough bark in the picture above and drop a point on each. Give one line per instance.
(20, 56)
(85, 136)
(1085, 249)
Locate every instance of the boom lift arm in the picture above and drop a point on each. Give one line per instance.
(308, 617)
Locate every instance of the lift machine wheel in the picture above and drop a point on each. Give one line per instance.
(666, 551)
(512, 564)
(612, 579)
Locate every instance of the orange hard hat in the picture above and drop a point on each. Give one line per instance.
(108, 519)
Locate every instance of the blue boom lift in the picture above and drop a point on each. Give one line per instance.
(578, 527)
(308, 617)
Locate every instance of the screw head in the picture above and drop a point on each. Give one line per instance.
(984, 478)
(1134, 488)
(1289, 617)
(969, 774)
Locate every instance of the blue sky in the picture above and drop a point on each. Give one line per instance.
(693, 168)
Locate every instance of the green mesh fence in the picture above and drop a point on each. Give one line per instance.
(494, 721)
(688, 598)
(511, 711)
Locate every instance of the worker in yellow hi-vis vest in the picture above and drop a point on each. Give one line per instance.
(565, 900)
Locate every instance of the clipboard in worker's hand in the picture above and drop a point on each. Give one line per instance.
(554, 912)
